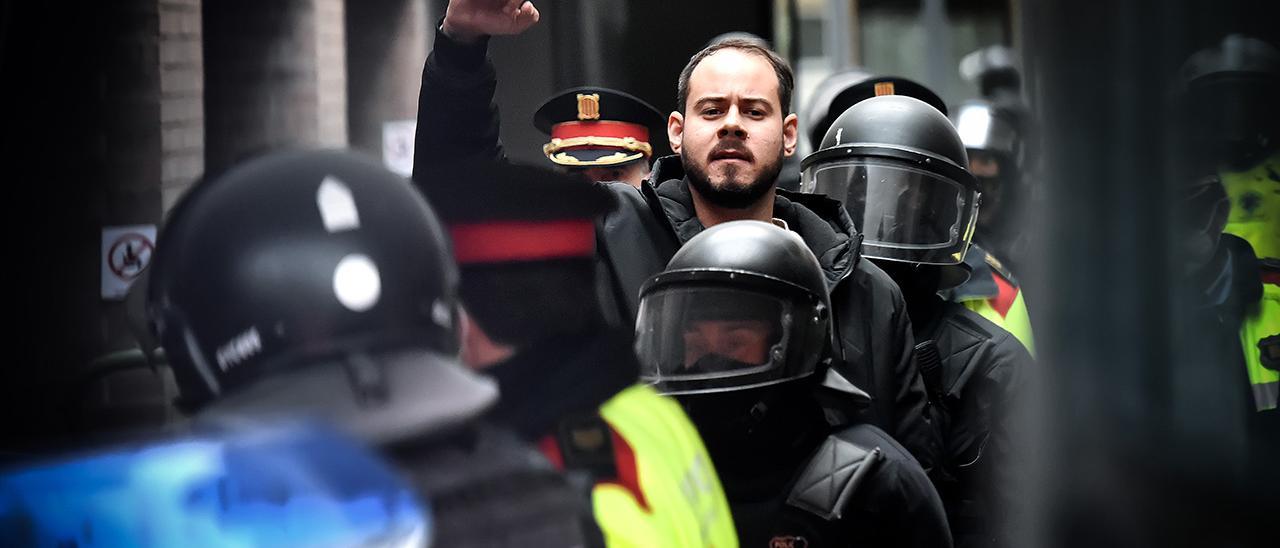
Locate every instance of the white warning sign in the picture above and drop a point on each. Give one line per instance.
(126, 251)
(397, 146)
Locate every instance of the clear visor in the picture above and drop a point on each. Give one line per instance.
(904, 213)
(703, 339)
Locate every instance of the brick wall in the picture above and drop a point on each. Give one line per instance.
(181, 97)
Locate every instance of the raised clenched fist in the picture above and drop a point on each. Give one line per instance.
(468, 20)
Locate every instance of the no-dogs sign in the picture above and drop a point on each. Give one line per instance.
(126, 251)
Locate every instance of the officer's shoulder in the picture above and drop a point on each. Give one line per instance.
(869, 437)
(644, 396)
(999, 267)
(842, 464)
(979, 330)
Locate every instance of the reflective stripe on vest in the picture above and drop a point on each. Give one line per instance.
(1259, 324)
(683, 503)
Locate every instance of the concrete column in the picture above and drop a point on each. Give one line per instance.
(275, 75)
(387, 44)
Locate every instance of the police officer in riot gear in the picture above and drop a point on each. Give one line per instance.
(996, 150)
(897, 164)
(317, 284)
(738, 328)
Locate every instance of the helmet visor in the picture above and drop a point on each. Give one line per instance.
(712, 339)
(904, 213)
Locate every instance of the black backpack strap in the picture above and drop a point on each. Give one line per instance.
(832, 475)
(930, 362)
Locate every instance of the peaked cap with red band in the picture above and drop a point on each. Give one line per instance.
(595, 126)
(497, 212)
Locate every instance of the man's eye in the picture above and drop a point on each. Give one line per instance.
(710, 112)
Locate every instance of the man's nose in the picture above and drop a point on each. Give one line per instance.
(732, 125)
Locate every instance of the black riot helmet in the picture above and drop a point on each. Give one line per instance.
(898, 165)
(1228, 94)
(742, 305)
(312, 283)
(841, 90)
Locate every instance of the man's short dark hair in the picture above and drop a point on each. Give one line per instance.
(786, 79)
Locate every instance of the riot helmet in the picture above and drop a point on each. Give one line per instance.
(1202, 208)
(742, 305)
(898, 165)
(995, 151)
(312, 282)
(994, 69)
(1228, 94)
(842, 90)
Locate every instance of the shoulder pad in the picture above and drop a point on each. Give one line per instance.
(999, 267)
(831, 476)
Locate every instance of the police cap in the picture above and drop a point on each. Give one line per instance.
(595, 126)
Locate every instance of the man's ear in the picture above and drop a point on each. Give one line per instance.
(790, 134)
(476, 349)
(675, 130)
(468, 337)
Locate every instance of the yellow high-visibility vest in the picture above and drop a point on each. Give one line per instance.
(1260, 338)
(675, 499)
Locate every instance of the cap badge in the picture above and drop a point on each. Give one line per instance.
(884, 88)
(589, 106)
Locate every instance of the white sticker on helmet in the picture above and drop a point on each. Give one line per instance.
(442, 314)
(337, 206)
(239, 348)
(356, 282)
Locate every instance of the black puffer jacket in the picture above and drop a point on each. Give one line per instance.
(984, 370)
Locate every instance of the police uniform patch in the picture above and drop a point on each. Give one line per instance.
(585, 443)
(786, 541)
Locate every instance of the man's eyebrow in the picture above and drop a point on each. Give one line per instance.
(709, 99)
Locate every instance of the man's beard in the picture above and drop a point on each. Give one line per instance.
(731, 196)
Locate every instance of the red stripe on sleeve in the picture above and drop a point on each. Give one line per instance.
(522, 241)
